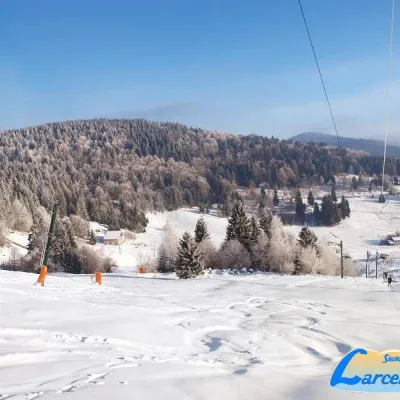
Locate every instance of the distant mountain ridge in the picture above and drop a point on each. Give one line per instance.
(371, 146)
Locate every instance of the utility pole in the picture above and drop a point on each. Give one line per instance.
(341, 258)
(367, 264)
(376, 265)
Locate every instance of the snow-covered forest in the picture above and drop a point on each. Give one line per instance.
(113, 171)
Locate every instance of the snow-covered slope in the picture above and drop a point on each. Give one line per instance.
(368, 224)
(217, 337)
(370, 221)
(145, 246)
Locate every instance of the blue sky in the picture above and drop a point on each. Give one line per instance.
(237, 66)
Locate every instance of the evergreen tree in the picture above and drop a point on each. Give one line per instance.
(36, 242)
(263, 200)
(188, 263)
(310, 198)
(344, 208)
(276, 198)
(255, 231)
(64, 250)
(354, 183)
(333, 194)
(329, 211)
(92, 238)
(162, 259)
(300, 208)
(317, 213)
(265, 222)
(307, 237)
(201, 232)
(163, 262)
(238, 226)
(347, 208)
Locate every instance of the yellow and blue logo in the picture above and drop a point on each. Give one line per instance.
(364, 370)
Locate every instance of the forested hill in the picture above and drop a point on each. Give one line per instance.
(112, 171)
(373, 147)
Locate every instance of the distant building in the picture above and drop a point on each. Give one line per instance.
(114, 238)
(394, 241)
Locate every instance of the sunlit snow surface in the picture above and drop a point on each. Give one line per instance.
(216, 337)
(219, 336)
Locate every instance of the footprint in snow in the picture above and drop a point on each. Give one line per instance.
(34, 395)
(96, 379)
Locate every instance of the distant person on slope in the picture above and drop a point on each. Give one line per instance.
(390, 281)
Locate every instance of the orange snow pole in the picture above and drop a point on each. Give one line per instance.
(99, 278)
(42, 276)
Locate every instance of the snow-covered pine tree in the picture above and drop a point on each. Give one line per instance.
(317, 213)
(310, 198)
(162, 262)
(307, 237)
(201, 232)
(265, 222)
(239, 226)
(188, 263)
(300, 207)
(36, 242)
(333, 194)
(344, 208)
(255, 231)
(64, 250)
(92, 238)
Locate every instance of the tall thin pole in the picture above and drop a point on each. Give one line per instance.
(49, 235)
(387, 95)
(341, 258)
(376, 265)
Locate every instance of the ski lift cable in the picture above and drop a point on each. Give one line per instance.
(389, 80)
(327, 98)
(319, 71)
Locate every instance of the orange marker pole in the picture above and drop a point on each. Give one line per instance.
(99, 278)
(42, 276)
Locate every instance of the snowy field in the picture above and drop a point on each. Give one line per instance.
(130, 254)
(216, 337)
(370, 221)
(149, 336)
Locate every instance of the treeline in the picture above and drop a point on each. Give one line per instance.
(113, 171)
(71, 248)
(259, 243)
(329, 213)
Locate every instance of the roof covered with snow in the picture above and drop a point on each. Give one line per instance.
(112, 235)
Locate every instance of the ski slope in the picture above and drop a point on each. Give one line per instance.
(131, 254)
(156, 337)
